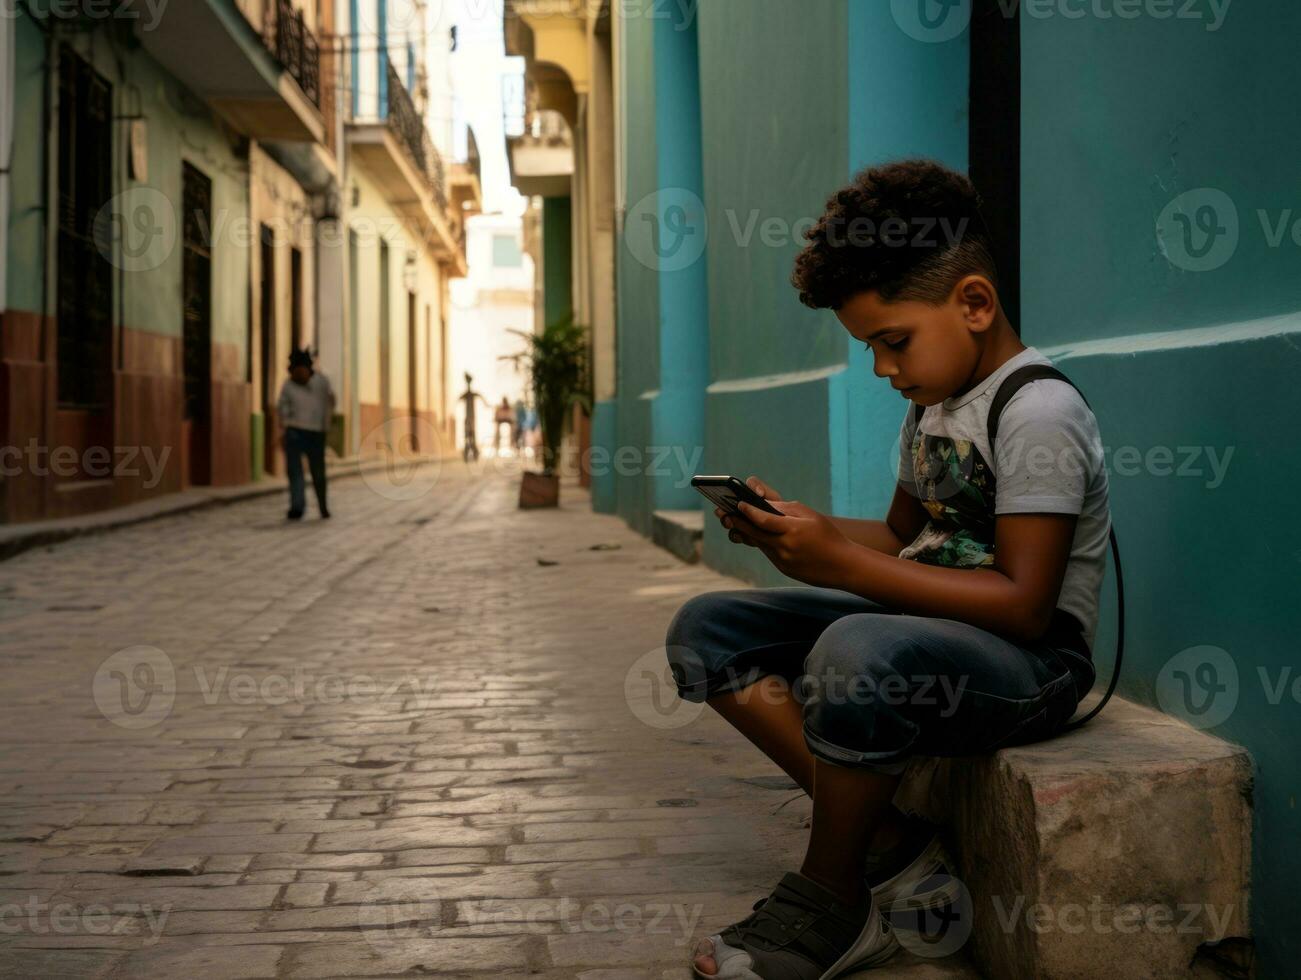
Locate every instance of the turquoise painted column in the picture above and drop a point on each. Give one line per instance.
(678, 412)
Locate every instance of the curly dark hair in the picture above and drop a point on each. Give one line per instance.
(907, 230)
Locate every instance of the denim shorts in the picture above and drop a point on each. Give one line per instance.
(876, 686)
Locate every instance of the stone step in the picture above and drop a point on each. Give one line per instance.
(1121, 849)
(679, 531)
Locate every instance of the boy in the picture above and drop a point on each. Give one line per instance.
(303, 413)
(962, 622)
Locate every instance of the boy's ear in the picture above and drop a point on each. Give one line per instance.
(978, 300)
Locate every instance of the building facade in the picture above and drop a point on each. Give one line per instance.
(406, 203)
(563, 158)
(193, 193)
(128, 354)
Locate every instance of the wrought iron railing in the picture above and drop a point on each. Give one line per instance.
(295, 47)
(409, 128)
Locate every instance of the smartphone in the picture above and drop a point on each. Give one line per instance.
(726, 491)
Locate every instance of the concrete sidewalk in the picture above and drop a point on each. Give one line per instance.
(17, 538)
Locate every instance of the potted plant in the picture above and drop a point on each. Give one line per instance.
(558, 362)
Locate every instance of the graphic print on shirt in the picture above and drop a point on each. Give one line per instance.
(956, 486)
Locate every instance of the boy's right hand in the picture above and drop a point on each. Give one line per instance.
(737, 527)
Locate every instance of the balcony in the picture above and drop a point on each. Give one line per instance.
(255, 62)
(551, 36)
(396, 150)
(409, 129)
(542, 157)
(464, 181)
(295, 47)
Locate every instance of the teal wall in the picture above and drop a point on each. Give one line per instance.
(776, 129)
(1176, 358)
(147, 292)
(1119, 117)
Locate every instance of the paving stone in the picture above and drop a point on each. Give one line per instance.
(571, 851)
(431, 956)
(233, 963)
(490, 819)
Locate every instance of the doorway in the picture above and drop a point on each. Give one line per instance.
(84, 325)
(385, 354)
(196, 326)
(413, 410)
(994, 148)
(267, 321)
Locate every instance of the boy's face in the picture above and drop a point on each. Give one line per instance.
(300, 373)
(927, 352)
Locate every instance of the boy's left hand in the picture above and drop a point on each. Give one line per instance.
(800, 542)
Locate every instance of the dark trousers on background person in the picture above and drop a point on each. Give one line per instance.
(300, 443)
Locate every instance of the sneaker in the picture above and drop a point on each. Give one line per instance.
(295, 515)
(914, 874)
(799, 932)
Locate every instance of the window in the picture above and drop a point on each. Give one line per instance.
(506, 252)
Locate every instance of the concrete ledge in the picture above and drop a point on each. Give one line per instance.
(679, 531)
(1057, 841)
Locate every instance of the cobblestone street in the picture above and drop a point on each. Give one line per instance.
(419, 738)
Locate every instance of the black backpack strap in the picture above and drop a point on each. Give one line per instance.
(1013, 383)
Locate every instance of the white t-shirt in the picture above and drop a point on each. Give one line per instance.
(306, 406)
(1049, 461)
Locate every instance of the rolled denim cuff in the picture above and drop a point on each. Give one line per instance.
(704, 688)
(891, 762)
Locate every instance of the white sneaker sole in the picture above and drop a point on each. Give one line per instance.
(874, 945)
(900, 892)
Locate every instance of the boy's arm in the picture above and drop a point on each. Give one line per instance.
(901, 526)
(1015, 597)
(904, 522)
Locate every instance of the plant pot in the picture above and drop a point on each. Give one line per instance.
(539, 490)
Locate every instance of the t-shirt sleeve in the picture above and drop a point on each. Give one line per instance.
(907, 479)
(1048, 451)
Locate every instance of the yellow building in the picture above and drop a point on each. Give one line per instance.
(565, 159)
